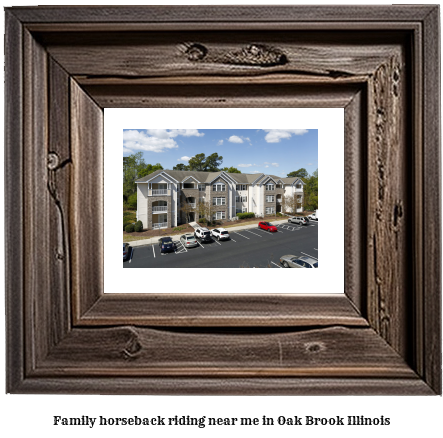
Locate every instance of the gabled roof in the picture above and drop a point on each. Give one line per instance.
(209, 177)
(189, 177)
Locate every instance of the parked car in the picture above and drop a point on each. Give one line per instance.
(298, 220)
(125, 250)
(267, 226)
(291, 261)
(166, 245)
(188, 240)
(203, 234)
(314, 216)
(220, 234)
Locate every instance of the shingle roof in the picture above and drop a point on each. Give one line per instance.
(207, 177)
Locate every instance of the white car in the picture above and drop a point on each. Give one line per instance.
(220, 234)
(313, 217)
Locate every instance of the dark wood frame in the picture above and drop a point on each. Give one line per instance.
(64, 65)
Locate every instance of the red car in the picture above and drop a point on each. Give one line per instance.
(267, 226)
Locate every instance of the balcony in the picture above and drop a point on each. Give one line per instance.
(192, 204)
(159, 192)
(160, 225)
(160, 209)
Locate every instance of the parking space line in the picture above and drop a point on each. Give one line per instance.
(200, 244)
(153, 250)
(236, 232)
(276, 265)
(316, 249)
(309, 255)
(253, 233)
(216, 242)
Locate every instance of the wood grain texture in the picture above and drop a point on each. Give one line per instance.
(223, 14)
(431, 317)
(14, 267)
(64, 65)
(355, 195)
(86, 197)
(240, 310)
(129, 351)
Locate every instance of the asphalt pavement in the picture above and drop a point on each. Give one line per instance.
(248, 247)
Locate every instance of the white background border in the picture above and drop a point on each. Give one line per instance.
(328, 278)
(31, 415)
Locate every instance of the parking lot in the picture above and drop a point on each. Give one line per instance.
(247, 248)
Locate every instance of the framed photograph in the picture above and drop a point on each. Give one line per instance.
(65, 65)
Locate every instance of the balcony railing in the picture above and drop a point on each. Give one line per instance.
(160, 225)
(192, 204)
(160, 209)
(278, 201)
(160, 192)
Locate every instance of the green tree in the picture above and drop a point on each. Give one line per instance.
(134, 167)
(205, 164)
(300, 173)
(230, 170)
(311, 192)
(180, 166)
(150, 168)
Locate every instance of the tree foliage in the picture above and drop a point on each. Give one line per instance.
(134, 167)
(180, 166)
(310, 189)
(230, 170)
(300, 173)
(202, 163)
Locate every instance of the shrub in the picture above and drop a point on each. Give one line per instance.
(245, 215)
(279, 214)
(129, 228)
(132, 201)
(125, 224)
(138, 226)
(202, 220)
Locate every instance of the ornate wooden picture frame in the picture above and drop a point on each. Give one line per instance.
(64, 65)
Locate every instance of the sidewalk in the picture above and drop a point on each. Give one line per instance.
(176, 238)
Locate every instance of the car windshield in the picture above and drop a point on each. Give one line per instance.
(267, 223)
(206, 233)
(167, 240)
(190, 237)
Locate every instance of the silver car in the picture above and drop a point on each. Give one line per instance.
(188, 240)
(298, 220)
(292, 261)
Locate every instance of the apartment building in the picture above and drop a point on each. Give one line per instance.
(166, 198)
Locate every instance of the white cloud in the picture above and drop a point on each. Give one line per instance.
(154, 140)
(256, 171)
(220, 142)
(275, 164)
(185, 158)
(275, 135)
(244, 165)
(235, 139)
(266, 166)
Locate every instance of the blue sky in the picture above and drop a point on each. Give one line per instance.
(269, 151)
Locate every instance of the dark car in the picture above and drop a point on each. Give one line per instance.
(166, 245)
(267, 226)
(125, 250)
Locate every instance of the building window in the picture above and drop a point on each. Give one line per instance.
(202, 187)
(238, 210)
(269, 210)
(269, 186)
(270, 198)
(241, 199)
(219, 201)
(219, 187)
(240, 187)
(219, 215)
(244, 209)
(298, 186)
